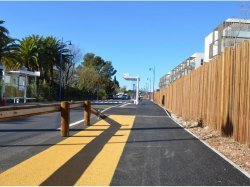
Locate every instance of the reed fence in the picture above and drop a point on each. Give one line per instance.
(216, 94)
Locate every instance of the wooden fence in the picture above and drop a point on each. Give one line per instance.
(216, 94)
(13, 112)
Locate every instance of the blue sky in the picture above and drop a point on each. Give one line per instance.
(133, 35)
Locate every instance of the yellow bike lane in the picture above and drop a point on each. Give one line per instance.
(88, 158)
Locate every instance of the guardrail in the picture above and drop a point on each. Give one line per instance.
(13, 112)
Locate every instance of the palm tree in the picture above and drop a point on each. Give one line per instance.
(7, 46)
(49, 57)
(28, 52)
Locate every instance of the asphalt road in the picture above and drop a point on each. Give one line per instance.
(160, 152)
(22, 138)
(134, 145)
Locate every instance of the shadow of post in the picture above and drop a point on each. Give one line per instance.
(227, 128)
(71, 171)
(163, 100)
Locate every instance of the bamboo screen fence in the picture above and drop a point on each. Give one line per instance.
(217, 94)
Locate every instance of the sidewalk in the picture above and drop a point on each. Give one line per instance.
(160, 152)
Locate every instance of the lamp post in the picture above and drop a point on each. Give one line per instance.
(153, 69)
(60, 77)
(2, 77)
(149, 79)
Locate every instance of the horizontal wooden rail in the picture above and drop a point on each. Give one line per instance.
(76, 104)
(10, 108)
(13, 112)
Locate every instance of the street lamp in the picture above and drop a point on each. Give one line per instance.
(149, 79)
(153, 69)
(2, 77)
(60, 79)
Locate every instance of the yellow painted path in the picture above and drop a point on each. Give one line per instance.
(37, 169)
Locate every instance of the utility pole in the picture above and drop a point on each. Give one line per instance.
(149, 88)
(153, 69)
(2, 76)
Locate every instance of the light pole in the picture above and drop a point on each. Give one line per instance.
(149, 88)
(60, 77)
(153, 69)
(2, 77)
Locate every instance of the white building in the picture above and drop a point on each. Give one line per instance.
(191, 63)
(227, 34)
(165, 80)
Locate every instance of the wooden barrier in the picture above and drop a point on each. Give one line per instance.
(13, 112)
(65, 118)
(216, 94)
(87, 112)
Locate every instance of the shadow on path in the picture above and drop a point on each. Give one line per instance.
(71, 171)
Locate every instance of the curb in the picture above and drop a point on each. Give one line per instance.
(244, 172)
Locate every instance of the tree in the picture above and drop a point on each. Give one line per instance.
(104, 68)
(49, 57)
(95, 74)
(69, 72)
(7, 46)
(116, 82)
(89, 79)
(123, 89)
(28, 52)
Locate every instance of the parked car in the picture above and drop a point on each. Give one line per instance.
(120, 96)
(125, 97)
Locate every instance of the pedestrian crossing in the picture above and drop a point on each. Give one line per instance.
(112, 102)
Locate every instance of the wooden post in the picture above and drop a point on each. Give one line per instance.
(65, 118)
(87, 112)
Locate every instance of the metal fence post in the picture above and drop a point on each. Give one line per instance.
(65, 118)
(87, 112)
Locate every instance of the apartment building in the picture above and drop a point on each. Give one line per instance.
(189, 64)
(227, 34)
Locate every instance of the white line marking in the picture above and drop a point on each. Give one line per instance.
(124, 105)
(109, 108)
(213, 149)
(75, 123)
(80, 121)
(152, 116)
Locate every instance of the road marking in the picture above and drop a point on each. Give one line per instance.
(33, 171)
(101, 170)
(81, 121)
(152, 116)
(124, 105)
(76, 123)
(210, 147)
(109, 108)
(37, 169)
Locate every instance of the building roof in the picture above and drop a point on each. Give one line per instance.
(237, 20)
(24, 72)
